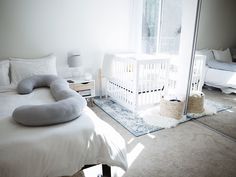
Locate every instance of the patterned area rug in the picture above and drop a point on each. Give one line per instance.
(137, 125)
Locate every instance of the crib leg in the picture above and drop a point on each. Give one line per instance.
(106, 95)
(106, 170)
(100, 81)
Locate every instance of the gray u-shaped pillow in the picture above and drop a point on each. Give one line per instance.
(68, 106)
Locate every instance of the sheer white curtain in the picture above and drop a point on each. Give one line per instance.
(150, 25)
(161, 26)
(170, 26)
(135, 33)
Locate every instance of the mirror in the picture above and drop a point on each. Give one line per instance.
(213, 73)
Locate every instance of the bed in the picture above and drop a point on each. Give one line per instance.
(56, 150)
(220, 71)
(224, 80)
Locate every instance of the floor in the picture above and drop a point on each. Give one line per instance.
(201, 148)
(224, 122)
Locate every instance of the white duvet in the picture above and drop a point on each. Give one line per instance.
(54, 150)
(225, 80)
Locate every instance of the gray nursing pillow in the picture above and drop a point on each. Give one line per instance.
(68, 107)
(27, 85)
(60, 90)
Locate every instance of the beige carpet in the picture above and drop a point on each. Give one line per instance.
(188, 150)
(225, 121)
(78, 174)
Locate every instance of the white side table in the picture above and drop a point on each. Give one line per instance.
(86, 88)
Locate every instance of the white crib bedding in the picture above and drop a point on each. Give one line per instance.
(54, 150)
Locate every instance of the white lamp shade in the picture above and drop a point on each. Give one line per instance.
(74, 61)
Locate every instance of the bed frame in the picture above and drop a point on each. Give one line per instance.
(106, 170)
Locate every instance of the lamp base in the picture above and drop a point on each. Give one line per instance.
(76, 72)
(87, 76)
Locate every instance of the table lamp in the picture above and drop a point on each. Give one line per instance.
(75, 62)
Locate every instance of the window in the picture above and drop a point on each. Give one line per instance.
(150, 25)
(161, 26)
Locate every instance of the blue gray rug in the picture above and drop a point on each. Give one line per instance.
(135, 124)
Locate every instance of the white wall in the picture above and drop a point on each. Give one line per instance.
(33, 28)
(189, 14)
(217, 28)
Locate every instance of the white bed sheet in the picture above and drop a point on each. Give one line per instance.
(225, 80)
(54, 150)
(7, 88)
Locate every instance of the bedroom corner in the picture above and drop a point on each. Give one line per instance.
(117, 88)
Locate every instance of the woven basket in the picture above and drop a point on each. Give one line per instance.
(196, 102)
(172, 109)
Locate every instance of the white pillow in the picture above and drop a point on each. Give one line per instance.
(224, 55)
(206, 52)
(23, 68)
(4, 73)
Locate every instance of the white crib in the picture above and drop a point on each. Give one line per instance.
(137, 81)
(198, 74)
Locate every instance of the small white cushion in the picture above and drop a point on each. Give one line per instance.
(224, 55)
(23, 68)
(4, 73)
(206, 52)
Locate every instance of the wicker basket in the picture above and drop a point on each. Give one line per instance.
(196, 102)
(171, 108)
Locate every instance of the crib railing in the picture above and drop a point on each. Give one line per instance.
(198, 74)
(137, 83)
